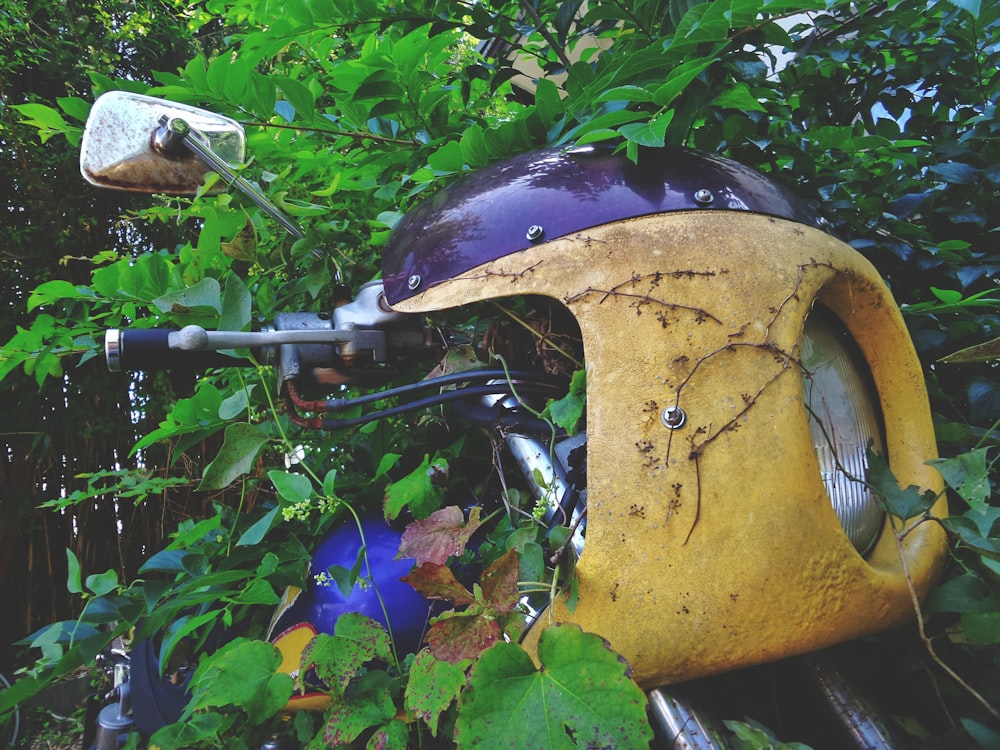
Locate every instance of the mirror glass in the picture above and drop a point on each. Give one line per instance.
(117, 147)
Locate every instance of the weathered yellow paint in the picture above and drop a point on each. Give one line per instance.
(714, 546)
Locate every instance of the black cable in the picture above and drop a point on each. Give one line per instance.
(518, 377)
(462, 395)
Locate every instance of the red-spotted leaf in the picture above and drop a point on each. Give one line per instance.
(462, 635)
(579, 697)
(433, 686)
(439, 536)
(346, 718)
(499, 583)
(337, 658)
(438, 582)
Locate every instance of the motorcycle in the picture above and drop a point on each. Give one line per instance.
(742, 366)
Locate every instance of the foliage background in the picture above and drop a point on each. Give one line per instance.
(882, 114)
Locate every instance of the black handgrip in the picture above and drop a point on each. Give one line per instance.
(134, 349)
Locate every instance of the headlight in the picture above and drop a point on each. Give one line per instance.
(844, 417)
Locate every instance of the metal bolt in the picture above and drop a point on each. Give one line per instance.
(535, 233)
(703, 197)
(413, 282)
(673, 417)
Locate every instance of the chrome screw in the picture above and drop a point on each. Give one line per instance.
(535, 233)
(673, 417)
(413, 282)
(703, 197)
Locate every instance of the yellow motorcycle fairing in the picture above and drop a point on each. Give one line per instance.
(714, 546)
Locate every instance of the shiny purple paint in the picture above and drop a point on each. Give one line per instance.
(492, 212)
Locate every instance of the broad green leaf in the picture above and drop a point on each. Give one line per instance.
(982, 628)
(904, 503)
(102, 583)
(258, 531)
(581, 691)
(969, 475)
(236, 305)
(187, 733)
(421, 490)
(243, 674)
(292, 487)
(680, 78)
(739, 97)
(243, 441)
(51, 291)
(567, 411)
(204, 294)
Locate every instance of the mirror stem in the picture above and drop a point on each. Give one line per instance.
(177, 130)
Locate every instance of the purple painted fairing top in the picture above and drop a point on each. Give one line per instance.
(492, 212)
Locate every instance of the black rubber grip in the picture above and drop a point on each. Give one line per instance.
(131, 350)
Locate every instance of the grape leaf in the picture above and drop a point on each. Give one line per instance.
(421, 490)
(456, 636)
(499, 583)
(346, 718)
(242, 673)
(337, 658)
(439, 536)
(579, 697)
(433, 685)
(969, 475)
(905, 504)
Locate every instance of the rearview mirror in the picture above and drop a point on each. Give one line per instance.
(122, 144)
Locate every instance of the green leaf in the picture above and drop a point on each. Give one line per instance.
(433, 686)
(739, 97)
(259, 530)
(73, 583)
(292, 487)
(206, 294)
(188, 733)
(347, 719)
(967, 474)
(102, 583)
(569, 410)
(988, 738)
(240, 447)
(581, 691)
(236, 305)
(337, 658)
(243, 674)
(905, 504)
(421, 490)
(651, 133)
(982, 628)
(51, 291)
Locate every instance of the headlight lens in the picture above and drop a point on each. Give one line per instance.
(844, 417)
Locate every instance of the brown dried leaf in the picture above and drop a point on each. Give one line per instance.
(439, 536)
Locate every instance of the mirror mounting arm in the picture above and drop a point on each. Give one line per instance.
(175, 132)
